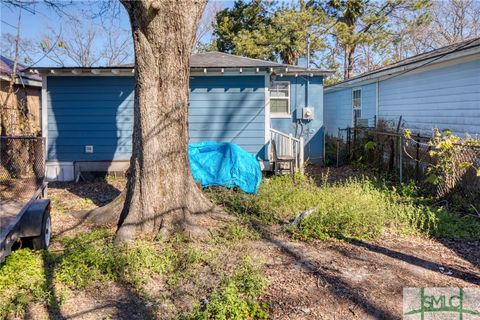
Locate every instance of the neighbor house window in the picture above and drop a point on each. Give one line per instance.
(357, 105)
(280, 98)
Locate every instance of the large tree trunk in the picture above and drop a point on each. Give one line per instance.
(160, 192)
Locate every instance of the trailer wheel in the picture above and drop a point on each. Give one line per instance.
(43, 240)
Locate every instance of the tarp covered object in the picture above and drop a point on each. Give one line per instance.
(224, 164)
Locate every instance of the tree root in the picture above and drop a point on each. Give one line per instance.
(107, 215)
(194, 220)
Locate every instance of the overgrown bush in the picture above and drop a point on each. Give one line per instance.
(359, 208)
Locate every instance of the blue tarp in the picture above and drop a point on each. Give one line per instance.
(224, 164)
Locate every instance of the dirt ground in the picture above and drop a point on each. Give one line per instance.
(315, 280)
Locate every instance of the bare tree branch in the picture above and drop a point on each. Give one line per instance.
(205, 26)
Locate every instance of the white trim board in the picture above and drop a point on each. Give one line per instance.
(267, 116)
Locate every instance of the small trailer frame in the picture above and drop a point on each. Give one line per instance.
(24, 206)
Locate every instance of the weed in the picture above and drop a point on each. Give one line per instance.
(235, 233)
(85, 203)
(92, 257)
(22, 281)
(235, 298)
(360, 208)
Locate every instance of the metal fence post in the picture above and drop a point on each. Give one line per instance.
(354, 142)
(400, 158)
(338, 150)
(417, 159)
(349, 144)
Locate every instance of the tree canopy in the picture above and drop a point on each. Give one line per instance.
(337, 29)
(263, 30)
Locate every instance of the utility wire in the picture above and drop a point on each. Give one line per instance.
(8, 24)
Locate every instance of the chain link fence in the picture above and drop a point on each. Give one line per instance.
(22, 167)
(390, 154)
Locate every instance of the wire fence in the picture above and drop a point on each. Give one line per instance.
(390, 153)
(22, 167)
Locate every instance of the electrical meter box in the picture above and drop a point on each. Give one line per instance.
(308, 113)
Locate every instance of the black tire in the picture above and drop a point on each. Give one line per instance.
(43, 240)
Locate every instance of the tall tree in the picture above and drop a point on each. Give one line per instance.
(86, 45)
(205, 26)
(161, 195)
(264, 30)
(361, 22)
(161, 192)
(448, 22)
(242, 17)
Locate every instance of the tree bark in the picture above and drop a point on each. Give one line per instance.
(161, 193)
(349, 56)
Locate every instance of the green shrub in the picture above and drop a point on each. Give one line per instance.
(235, 298)
(23, 280)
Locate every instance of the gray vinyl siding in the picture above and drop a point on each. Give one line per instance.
(445, 98)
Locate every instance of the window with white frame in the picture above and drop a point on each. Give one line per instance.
(357, 105)
(280, 98)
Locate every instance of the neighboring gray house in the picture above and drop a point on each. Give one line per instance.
(88, 112)
(437, 89)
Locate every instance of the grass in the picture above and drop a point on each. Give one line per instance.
(221, 289)
(22, 281)
(92, 257)
(91, 260)
(358, 208)
(234, 298)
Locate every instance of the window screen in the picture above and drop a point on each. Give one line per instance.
(280, 97)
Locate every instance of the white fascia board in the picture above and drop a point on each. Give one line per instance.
(228, 72)
(82, 72)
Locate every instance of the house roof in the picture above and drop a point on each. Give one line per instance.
(212, 60)
(6, 69)
(220, 59)
(461, 49)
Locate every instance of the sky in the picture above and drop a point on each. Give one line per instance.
(36, 22)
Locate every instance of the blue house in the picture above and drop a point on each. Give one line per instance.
(438, 89)
(87, 114)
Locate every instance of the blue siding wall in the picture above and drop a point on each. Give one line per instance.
(368, 103)
(338, 110)
(447, 97)
(94, 111)
(338, 107)
(98, 111)
(229, 109)
(313, 130)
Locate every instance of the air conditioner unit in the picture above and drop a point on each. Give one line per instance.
(362, 123)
